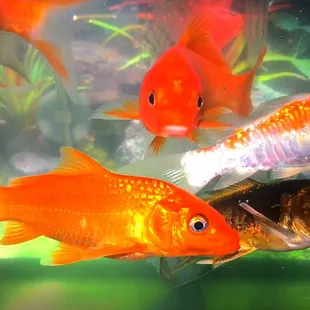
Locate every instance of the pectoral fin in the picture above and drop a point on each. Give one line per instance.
(219, 261)
(128, 110)
(286, 172)
(292, 239)
(16, 232)
(157, 144)
(211, 116)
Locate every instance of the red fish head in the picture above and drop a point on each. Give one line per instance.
(170, 101)
(187, 226)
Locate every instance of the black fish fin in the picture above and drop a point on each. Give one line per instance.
(292, 239)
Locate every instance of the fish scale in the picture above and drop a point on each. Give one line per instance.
(280, 138)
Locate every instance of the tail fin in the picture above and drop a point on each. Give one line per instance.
(243, 84)
(53, 56)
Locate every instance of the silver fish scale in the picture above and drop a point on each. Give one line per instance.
(266, 151)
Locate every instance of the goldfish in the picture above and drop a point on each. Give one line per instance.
(95, 213)
(275, 140)
(270, 217)
(25, 17)
(189, 87)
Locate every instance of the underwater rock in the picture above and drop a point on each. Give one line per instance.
(98, 71)
(33, 163)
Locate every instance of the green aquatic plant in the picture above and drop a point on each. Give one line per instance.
(133, 61)
(269, 92)
(121, 32)
(268, 77)
(99, 154)
(37, 68)
(303, 65)
(19, 98)
(115, 29)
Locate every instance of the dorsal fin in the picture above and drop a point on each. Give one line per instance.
(23, 181)
(72, 162)
(232, 190)
(197, 37)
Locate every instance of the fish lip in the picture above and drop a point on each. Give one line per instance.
(175, 130)
(228, 245)
(224, 250)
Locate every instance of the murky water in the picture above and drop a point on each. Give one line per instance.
(106, 53)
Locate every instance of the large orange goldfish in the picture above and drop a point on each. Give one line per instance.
(188, 87)
(24, 17)
(95, 213)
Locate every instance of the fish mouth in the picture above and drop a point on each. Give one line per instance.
(175, 130)
(228, 246)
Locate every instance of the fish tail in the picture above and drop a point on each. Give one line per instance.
(53, 56)
(243, 103)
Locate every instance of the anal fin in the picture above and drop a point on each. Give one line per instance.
(16, 232)
(64, 254)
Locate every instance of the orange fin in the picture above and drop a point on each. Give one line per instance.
(197, 37)
(75, 162)
(64, 254)
(129, 256)
(214, 112)
(243, 86)
(16, 232)
(213, 124)
(53, 56)
(129, 110)
(210, 116)
(157, 144)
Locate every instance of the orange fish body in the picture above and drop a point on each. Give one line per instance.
(95, 213)
(169, 97)
(24, 17)
(190, 86)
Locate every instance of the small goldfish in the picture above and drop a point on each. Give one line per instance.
(95, 213)
(276, 142)
(268, 217)
(24, 17)
(189, 87)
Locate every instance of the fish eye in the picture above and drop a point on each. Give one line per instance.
(152, 99)
(200, 102)
(198, 223)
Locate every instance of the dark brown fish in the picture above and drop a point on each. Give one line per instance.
(268, 217)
